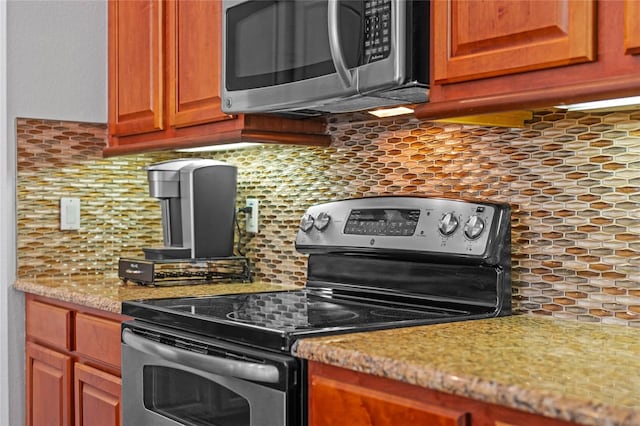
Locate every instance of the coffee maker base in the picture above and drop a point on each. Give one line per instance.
(172, 272)
(165, 253)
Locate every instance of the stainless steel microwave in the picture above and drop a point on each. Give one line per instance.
(308, 56)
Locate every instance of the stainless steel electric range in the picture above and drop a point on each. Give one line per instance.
(374, 263)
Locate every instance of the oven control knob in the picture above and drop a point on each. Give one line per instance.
(306, 223)
(474, 227)
(448, 224)
(322, 221)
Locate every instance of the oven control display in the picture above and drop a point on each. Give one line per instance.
(389, 222)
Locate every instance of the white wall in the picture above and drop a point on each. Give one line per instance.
(7, 222)
(58, 59)
(56, 68)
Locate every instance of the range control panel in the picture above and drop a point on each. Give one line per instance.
(414, 224)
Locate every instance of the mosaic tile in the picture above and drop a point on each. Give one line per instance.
(573, 180)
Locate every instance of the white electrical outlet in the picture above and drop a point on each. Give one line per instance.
(252, 218)
(69, 214)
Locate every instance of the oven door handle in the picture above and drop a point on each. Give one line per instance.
(212, 364)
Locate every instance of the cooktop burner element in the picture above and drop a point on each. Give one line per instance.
(373, 263)
(289, 311)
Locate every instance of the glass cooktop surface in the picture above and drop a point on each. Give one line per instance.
(294, 310)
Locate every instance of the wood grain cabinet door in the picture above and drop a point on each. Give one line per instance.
(48, 387)
(334, 401)
(194, 34)
(136, 61)
(632, 27)
(473, 39)
(97, 397)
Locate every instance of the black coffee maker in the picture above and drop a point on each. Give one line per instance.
(197, 200)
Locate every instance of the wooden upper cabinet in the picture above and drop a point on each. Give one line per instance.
(194, 53)
(478, 39)
(490, 56)
(136, 61)
(632, 27)
(164, 83)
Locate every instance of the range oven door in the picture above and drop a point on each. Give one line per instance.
(181, 379)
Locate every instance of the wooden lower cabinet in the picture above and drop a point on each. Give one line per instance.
(48, 386)
(73, 369)
(340, 397)
(97, 397)
(333, 401)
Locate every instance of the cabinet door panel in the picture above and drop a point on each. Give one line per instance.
(333, 401)
(477, 39)
(194, 46)
(135, 66)
(48, 387)
(97, 397)
(632, 27)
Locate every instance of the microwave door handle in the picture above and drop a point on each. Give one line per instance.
(212, 364)
(339, 62)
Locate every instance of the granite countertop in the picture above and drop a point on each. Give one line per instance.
(580, 372)
(108, 292)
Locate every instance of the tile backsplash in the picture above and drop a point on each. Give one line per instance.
(573, 180)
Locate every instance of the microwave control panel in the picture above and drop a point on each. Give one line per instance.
(377, 30)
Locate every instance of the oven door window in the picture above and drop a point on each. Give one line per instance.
(191, 399)
(271, 42)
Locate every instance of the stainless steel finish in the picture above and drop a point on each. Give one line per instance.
(474, 227)
(339, 62)
(372, 77)
(165, 212)
(268, 406)
(164, 184)
(197, 202)
(427, 236)
(306, 223)
(211, 364)
(448, 224)
(378, 84)
(322, 221)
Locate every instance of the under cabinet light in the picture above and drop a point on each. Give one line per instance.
(603, 105)
(391, 112)
(221, 147)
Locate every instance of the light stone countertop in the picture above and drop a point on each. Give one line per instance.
(581, 372)
(108, 292)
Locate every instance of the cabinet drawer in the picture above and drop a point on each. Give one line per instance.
(332, 401)
(49, 324)
(98, 338)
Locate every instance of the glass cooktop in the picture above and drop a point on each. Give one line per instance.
(276, 319)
